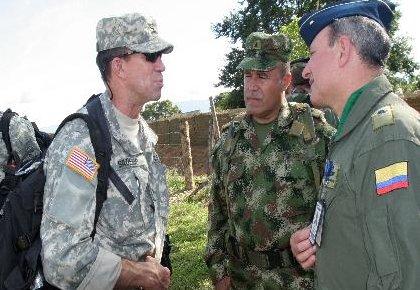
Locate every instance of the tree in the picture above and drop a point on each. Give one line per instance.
(254, 15)
(158, 110)
(272, 16)
(403, 70)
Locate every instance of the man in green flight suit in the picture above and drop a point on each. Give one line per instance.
(266, 170)
(366, 227)
(300, 90)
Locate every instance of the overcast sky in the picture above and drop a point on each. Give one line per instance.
(48, 51)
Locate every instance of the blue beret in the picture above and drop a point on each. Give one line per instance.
(312, 23)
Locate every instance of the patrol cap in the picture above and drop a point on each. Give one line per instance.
(134, 31)
(264, 51)
(297, 67)
(312, 23)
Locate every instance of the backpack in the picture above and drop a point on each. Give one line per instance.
(21, 213)
(13, 161)
(42, 138)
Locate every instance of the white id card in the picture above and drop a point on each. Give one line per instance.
(317, 221)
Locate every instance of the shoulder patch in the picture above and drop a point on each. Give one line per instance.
(317, 113)
(299, 106)
(383, 117)
(391, 177)
(82, 163)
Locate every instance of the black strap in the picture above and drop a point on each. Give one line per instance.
(101, 142)
(95, 110)
(264, 259)
(4, 127)
(120, 185)
(102, 156)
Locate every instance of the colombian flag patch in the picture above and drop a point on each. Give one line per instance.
(82, 163)
(392, 177)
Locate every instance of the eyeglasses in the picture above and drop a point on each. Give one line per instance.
(153, 57)
(150, 57)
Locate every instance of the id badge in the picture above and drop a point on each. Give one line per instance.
(317, 222)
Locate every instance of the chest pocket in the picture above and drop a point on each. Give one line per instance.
(137, 210)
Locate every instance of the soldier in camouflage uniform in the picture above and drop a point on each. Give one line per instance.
(300, 90)
(23, 143)
(266, 169)
(128, 243)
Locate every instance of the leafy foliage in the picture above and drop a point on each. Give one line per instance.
(230, 100)
(299, 47)
(272, 16)
(403, 70)
(158, 110)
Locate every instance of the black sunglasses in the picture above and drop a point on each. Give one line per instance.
(152, 57)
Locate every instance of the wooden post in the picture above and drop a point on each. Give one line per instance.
(186, 156)
(215, 122)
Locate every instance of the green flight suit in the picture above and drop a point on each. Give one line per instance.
(371, 189)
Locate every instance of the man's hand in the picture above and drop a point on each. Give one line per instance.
(302, 249)
(149, 274)
(223, 284)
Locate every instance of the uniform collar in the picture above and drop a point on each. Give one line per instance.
(148, 137)
(373, 92)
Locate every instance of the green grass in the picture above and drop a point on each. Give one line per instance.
(188, 233)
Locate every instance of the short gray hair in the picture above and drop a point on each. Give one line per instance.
(370, 38)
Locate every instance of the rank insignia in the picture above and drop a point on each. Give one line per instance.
(82, 163)
(392, 177)
(330, 173)
(382, 117)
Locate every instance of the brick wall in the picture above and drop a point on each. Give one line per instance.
(169, 143)
(414, 100)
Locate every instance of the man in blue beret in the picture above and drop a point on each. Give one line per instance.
(366, 226)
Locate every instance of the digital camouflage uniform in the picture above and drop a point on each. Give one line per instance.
(300, 95)
(70, 258)
(23, 141)
(303, 97)
(260, 195)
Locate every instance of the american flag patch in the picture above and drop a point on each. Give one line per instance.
(82, 163)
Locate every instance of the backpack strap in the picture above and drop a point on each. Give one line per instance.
(42, 138)
(102, 155)
(4, 127)
(97, 113)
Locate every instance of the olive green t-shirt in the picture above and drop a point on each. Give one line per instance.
(262, 130)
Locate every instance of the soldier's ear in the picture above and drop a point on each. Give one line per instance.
(344, 48)
(286, 80)
(117, 67)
